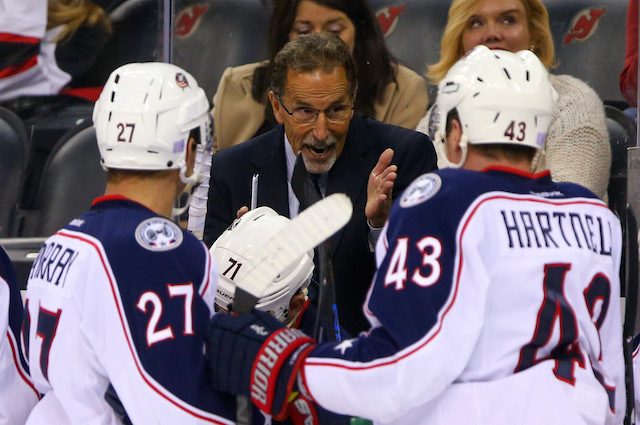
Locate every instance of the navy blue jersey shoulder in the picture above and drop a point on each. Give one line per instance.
(15, 301)
(146, 251)
(159, 269)
(460, 188)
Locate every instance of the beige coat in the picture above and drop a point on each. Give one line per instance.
(237, 115)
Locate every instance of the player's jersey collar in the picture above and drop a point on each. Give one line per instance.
(511, 170)
(108, 198)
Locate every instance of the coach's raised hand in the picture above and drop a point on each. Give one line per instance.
(379, 189)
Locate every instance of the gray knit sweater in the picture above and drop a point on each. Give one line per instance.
(577, 148)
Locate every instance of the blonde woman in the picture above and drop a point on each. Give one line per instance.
(577, 147)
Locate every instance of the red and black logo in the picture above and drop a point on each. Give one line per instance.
(181, 80)
(584, 24)
(388, 17)
(189, 18)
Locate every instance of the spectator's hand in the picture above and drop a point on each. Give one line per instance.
(379, 189)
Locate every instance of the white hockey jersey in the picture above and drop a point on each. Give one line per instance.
(29, 66)
(122, 297)
(17, 393)
(496, 301)
(635, 364)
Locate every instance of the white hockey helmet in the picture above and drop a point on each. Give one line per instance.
(237, 247)
(501, 98)
(144, 115)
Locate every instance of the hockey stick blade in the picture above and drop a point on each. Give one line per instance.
(307, 230)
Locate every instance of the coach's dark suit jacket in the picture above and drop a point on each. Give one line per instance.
(353, 263)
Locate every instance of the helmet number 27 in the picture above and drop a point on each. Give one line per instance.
(124, 130)
(519, 134)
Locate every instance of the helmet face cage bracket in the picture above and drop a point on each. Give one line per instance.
(500, 97)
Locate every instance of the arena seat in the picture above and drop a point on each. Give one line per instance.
(72, 179)
(137, 37)
(622, 135)
(219, 36)
(50, 119)
(22, 252)
(14, 147)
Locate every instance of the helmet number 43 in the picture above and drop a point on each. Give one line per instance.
(510, 132)
(124, 130)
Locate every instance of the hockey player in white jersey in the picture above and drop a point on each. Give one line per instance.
(237, 247)
(635, 365)
(17, 393)
(496, 299)
(287, 300)
(121, 296)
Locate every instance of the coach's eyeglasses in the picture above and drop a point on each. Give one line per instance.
(335, 113)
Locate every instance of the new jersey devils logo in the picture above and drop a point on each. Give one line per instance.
(189, 18)
(584, 24)
(388, 17)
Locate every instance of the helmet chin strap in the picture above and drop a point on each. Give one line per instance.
(176, 212)
(192, 182)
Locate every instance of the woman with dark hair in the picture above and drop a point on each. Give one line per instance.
(387, 91)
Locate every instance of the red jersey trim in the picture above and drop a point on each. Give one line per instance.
(21, 372)
(207, 278)
(118, 197)
(6, 37)
(517, 171)
(17, 69)
(105, 198)
(90, 93)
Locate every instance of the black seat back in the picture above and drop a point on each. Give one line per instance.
(72, 179)
(137, 37)
(14, 148)
(622, 135)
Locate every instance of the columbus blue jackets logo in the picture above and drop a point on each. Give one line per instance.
(181, 80)
(158, 234)
(422, 188)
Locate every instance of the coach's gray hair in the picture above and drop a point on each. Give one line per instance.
(311, 52)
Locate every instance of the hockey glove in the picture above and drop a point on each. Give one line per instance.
(255, 354)
(301, 411)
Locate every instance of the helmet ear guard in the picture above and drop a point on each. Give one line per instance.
(464, 146)
(501, 98)
(237, 247)
(441, 137)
